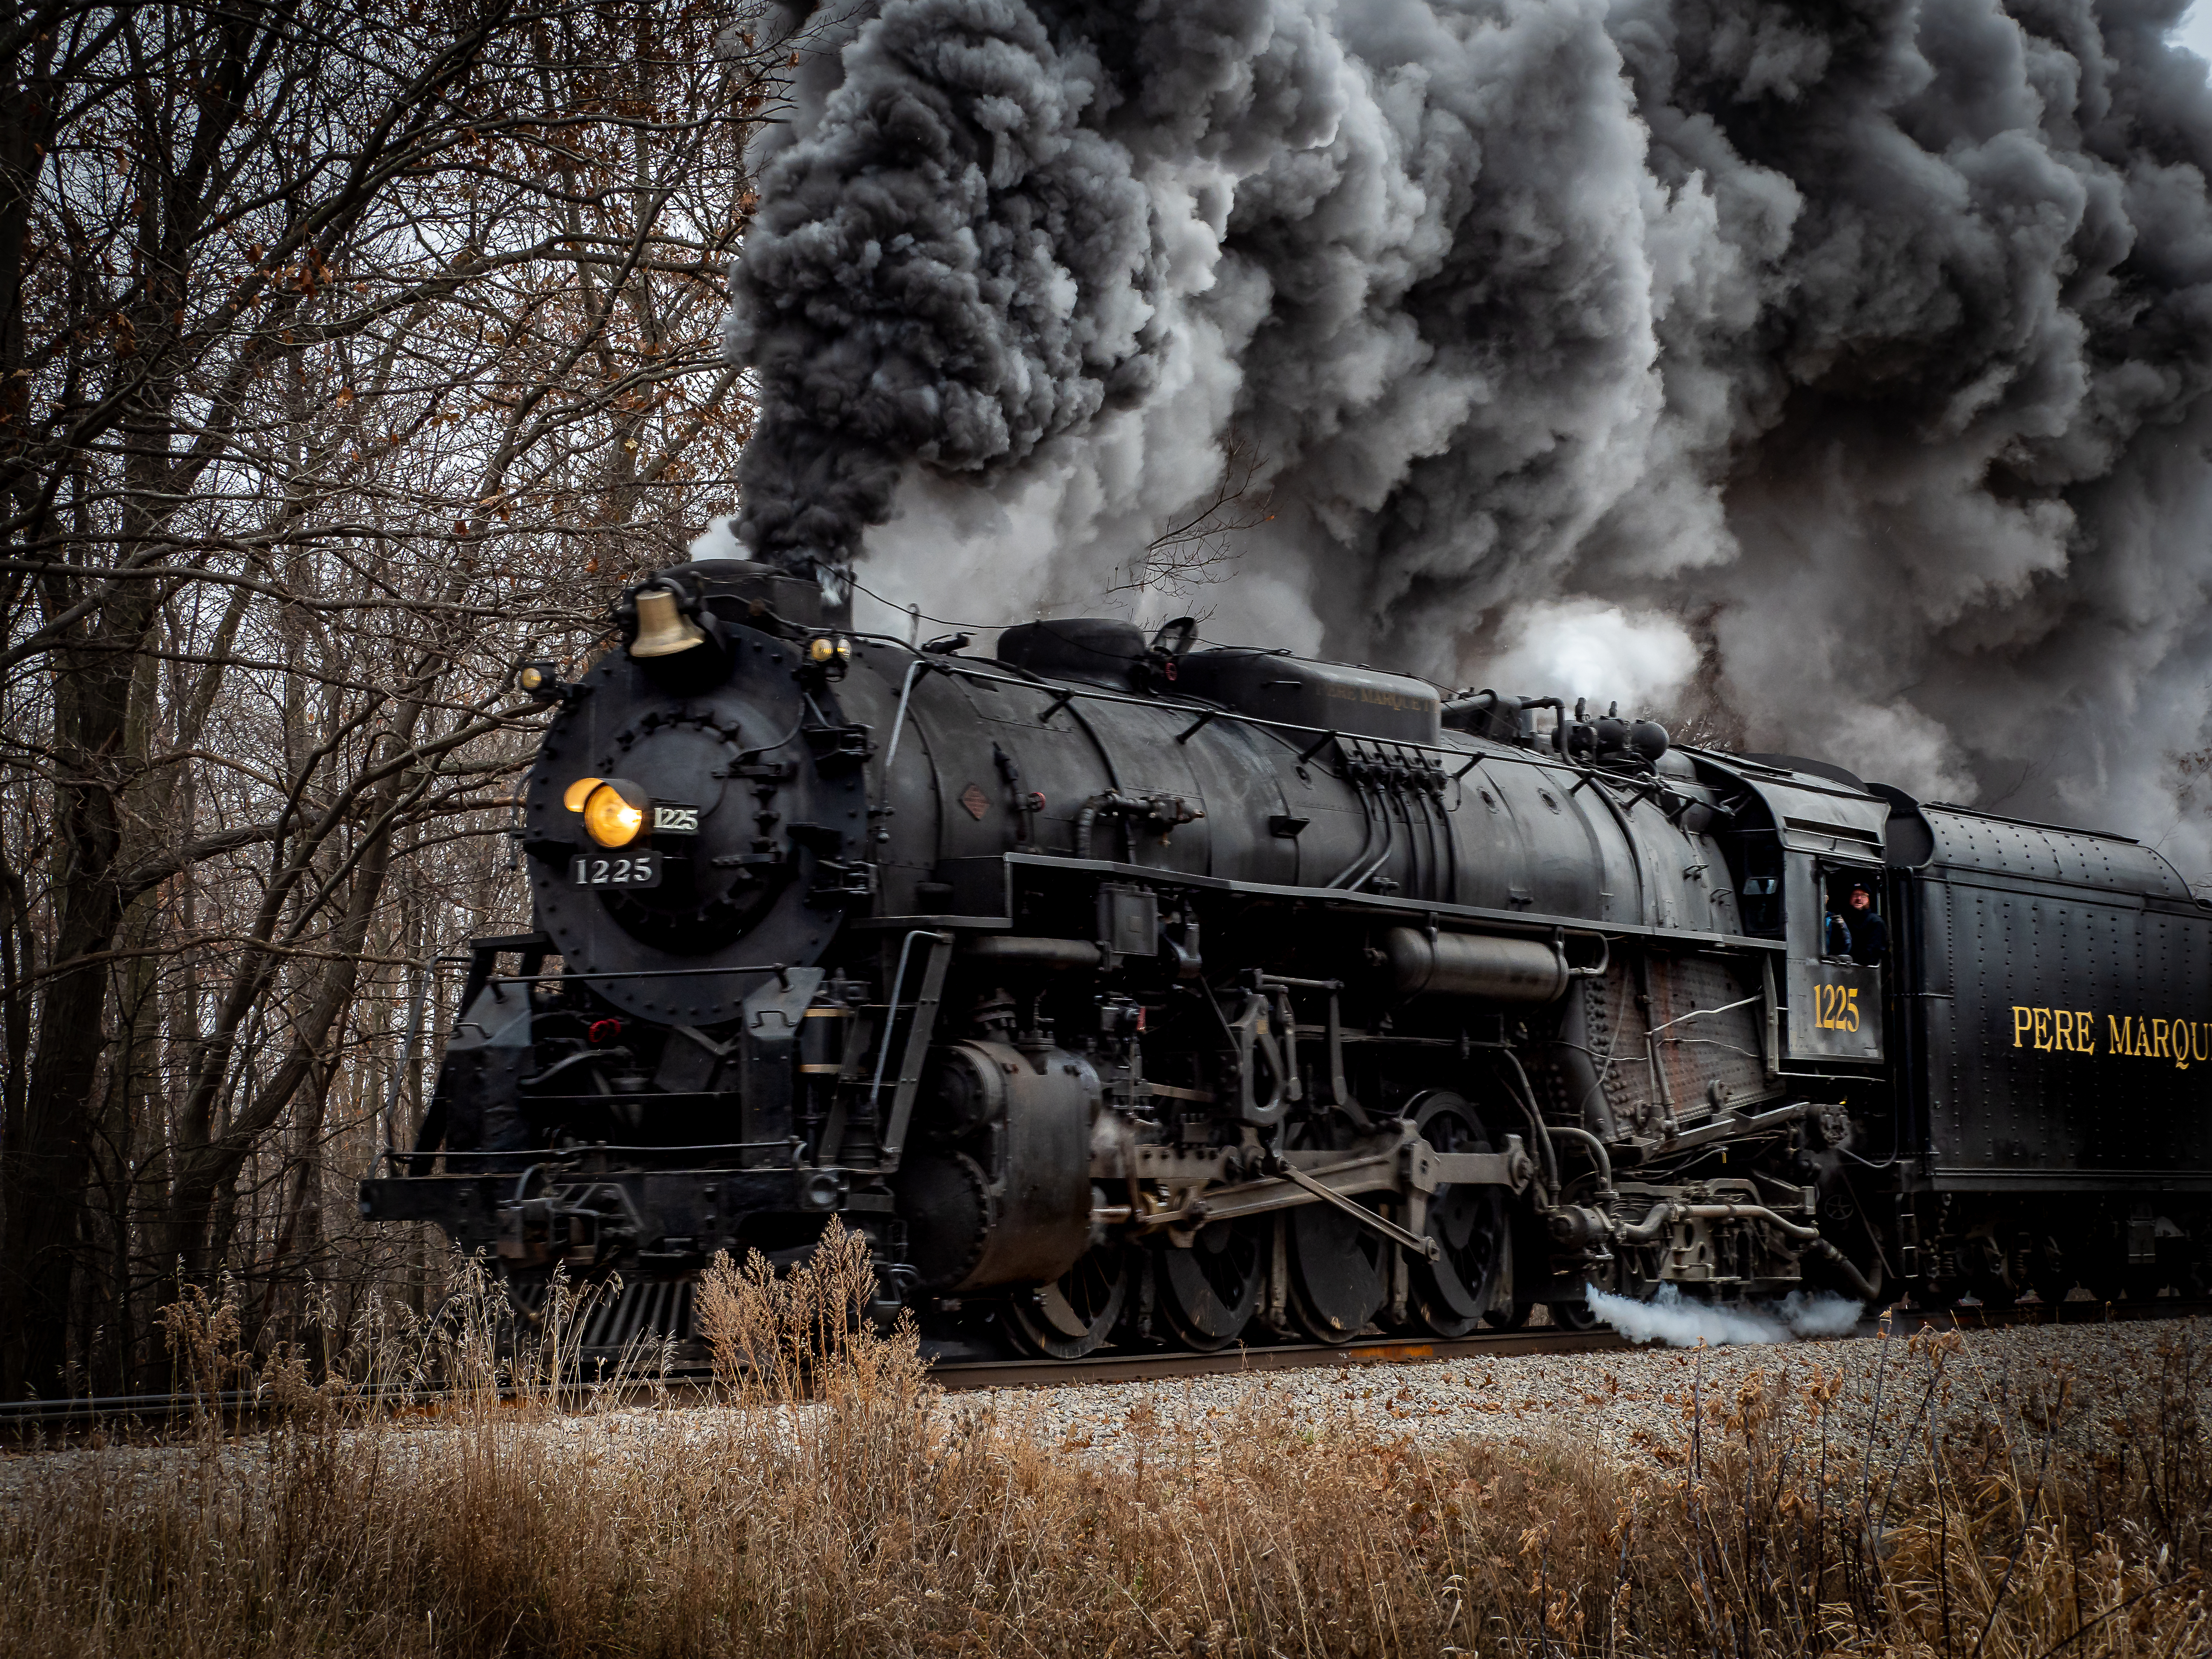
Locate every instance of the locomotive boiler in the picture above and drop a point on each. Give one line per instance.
(1131, 988)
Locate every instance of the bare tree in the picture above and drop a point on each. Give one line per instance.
(1200, 548)
(345, 358)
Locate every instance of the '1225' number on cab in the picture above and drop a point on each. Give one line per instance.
(1836, 1007)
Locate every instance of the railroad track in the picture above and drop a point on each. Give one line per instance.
(1384, 1351)
(18, 1418)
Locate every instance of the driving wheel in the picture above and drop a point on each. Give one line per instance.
(1452, 1295)
(1074, 1314)
(1339, 1273)
(1207, 1292)
(1576, 1316)
(1510, 1317)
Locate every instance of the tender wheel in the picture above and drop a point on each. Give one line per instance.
(1074, 1316)
(2105, 1273)
(1988, 1267)
(1452, 1294)
(1339, 1273)
(1995, 1296)
(2049, 1273)
(1207, 1292)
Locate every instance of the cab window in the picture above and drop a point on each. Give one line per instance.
(1848, 932)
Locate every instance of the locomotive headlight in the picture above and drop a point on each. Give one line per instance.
(614, 813)
(578, 793)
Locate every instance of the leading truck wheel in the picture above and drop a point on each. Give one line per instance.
(1074, 1314)
(1208, 1293)
(1452, 1295)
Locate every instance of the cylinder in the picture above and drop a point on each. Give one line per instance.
(1032, 953)
(1476, 965)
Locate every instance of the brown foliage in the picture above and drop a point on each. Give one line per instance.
(838, 1504)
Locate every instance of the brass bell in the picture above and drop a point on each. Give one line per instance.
(662, 629)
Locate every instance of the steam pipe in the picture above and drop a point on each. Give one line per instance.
(1557, 707)
(1387, 798)
(1745, 1212)
(1655, 1221)
(1460, 712)
(1480, 965)
(1389, 843)
(1367, 833)
(1592, 1144)
(1664, 1214)
(1394, 794)
(1451, 838)
(1114, 802)
(898, 722)
(1425, 849)
(1869, 1289)
(1030, 952)
(569, 1063)
(1527, 1101)
(1431, 825)
(1416, 870)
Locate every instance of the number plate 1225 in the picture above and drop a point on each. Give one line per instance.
(611, 869)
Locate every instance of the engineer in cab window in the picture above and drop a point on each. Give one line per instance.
(1869, 934)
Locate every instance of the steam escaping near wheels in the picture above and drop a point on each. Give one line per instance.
(1674, 1319)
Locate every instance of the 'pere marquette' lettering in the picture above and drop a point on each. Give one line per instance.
(2073, 1030)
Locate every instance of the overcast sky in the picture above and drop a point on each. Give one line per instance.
(2196, 30)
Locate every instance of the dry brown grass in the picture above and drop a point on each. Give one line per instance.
(841, 1505)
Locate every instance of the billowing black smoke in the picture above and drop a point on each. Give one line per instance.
(1841, 366)
(944, 271)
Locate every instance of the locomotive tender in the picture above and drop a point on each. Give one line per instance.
(1127, 987)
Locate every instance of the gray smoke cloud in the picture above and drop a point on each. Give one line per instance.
(1841, 367)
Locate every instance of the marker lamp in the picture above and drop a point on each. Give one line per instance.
(540, 680)
(830, 647)
(578, 793)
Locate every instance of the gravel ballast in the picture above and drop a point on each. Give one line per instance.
(1631, 1406)
(1635, 1405)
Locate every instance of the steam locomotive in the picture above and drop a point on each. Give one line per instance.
(1130, 989)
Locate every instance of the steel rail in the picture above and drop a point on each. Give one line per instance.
(961, 1375)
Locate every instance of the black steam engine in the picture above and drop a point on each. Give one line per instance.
(1117, 987)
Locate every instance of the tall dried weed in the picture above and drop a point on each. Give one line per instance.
(836, 1503)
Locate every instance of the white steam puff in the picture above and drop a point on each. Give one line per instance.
(1672, 1318)
(1580, 647)
(1863, 346)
